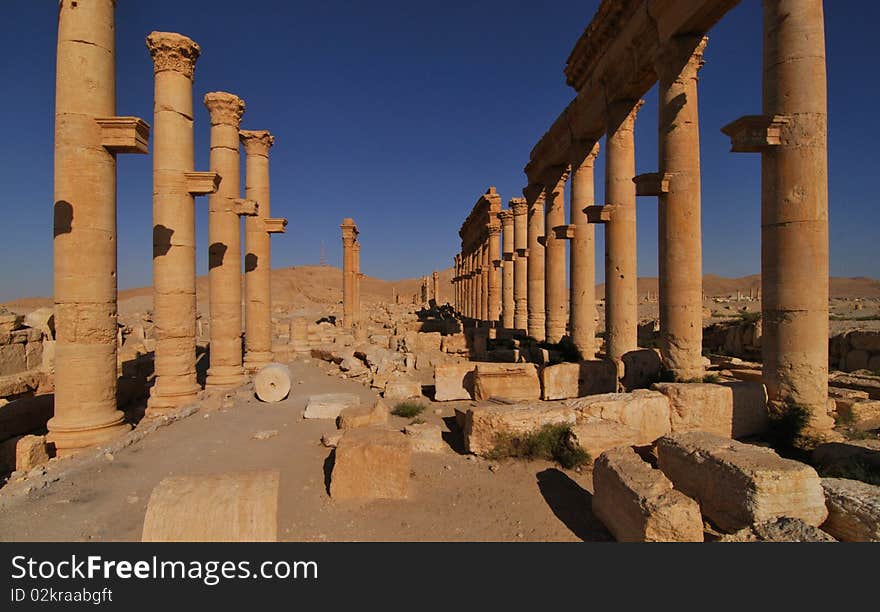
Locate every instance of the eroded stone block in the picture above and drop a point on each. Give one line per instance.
(371, 464)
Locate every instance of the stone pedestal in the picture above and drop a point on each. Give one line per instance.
(535, 202)
(258, 255)
(175, 186)
(555, 296)
(582, 306)
(349, 280)
(224, 239)
(508, 256)
(88, 136)
(520, 209)
(621, 266)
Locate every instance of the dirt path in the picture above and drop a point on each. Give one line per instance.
(455, 497)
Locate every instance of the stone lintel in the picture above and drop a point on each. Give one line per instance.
(275, 225)
(599, 214)
(564, 232)
(245, 208)
(755, 133)
(124, 134)
(202, 183)
(651, 184)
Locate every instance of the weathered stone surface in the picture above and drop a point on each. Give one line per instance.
(739, 485)
(864, 340)
(13, 359)
(426, 438)
(272, 382)
(644, 411)
(417, 342)
(363, 416)
(841, 458)
(456, 344)
(25, 415)
(571, 380)
(487, 423)
(783, 529)
(731, 410)
(329, 405)
(402, 388)
(9, 321)
(862, 415)
(371, 464)
(598, 436)
(42, 319)
(638, 503)
(641, 369)
(517, 382)
(853, 510)
(453, 381)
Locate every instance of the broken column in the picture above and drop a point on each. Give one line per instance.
(257, 246)
(535, 201)
(508, 257)
(175, 186)
(582, 306)
(88, 136)
(555, 296)
(792, 137)
(678, 188)
(520, 265)
(349, 238)
(621, 265)
(493, 259)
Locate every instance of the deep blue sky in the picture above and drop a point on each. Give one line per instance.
(401, 113)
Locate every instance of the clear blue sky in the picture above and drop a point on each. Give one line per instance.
(401, 113)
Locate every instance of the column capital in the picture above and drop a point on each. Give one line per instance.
(681, 57)
(173, 52)
(506, 217)
(622, 114)
(225, 108)
(256, 142)
(556, 177)
(584, 154)
(534, 194)
(494, 228)
(519, 206)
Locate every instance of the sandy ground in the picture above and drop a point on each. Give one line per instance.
(455, 497)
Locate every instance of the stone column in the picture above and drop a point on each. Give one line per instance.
(258, 253)
(349, 238)
(582, 314)
(508, 255)
(493, 263)
(485, 267)
(792, 136)
(456, 284)
(520, 265)
(535, 202)
(621, 266)
(174, 226)
(435, 286)
(473, 297)
(356, 261)
(224, 238)
(88, 135)
(680, 243)
(554, 258)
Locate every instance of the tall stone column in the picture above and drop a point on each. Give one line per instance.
(473, 277)
(554, 258)
(792, 136)
(582, 314)
(258, 251)
(680, 240)
(356, 260)
(349, 297)
(621, 266)
(224, 238)
(456, 284)
(175, 186)
(535, 202)
(88, 136)
(493, 261)
(485, 280)
(435, 286)
(520, 265)
(509, 256)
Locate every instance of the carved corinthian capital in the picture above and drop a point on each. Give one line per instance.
(256, 142)
(173, 52)
(225, 108)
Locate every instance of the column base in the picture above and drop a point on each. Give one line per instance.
(254, 360)
(160, 403)
(224, 377)
(72, 441)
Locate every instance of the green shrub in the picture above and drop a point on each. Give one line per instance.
(787, 425)
(408, 410)
(551, 442)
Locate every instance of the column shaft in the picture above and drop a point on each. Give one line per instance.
(555, 295)
(493, 257)
(508, 256)
(349, 237)
(582, 313)
(485, 284)
(520, 264)
(536, 266)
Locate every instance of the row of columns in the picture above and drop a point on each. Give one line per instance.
(88, 136)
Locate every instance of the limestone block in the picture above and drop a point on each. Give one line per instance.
(731, 410)
(853, 510)
(571, 380)
(646, 412)
(417, 342)
(781, 529)
(517, 382)
(402, 388)
(837, 458)
(13, 359)
(9, 321)
(739, 485)
(641, 369)
(30, 451)
(42, 319)
(638, 503)
(371, 464)
(486, 424)
(234, 507)
(862, 415)
(18, 384)
(329, 405)
(34, 355)
(272, 382)
(456, 344)
(453, 381)
(425, 438)
(48, 364)
(460, 413)
(597, 436)
(363, 416)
